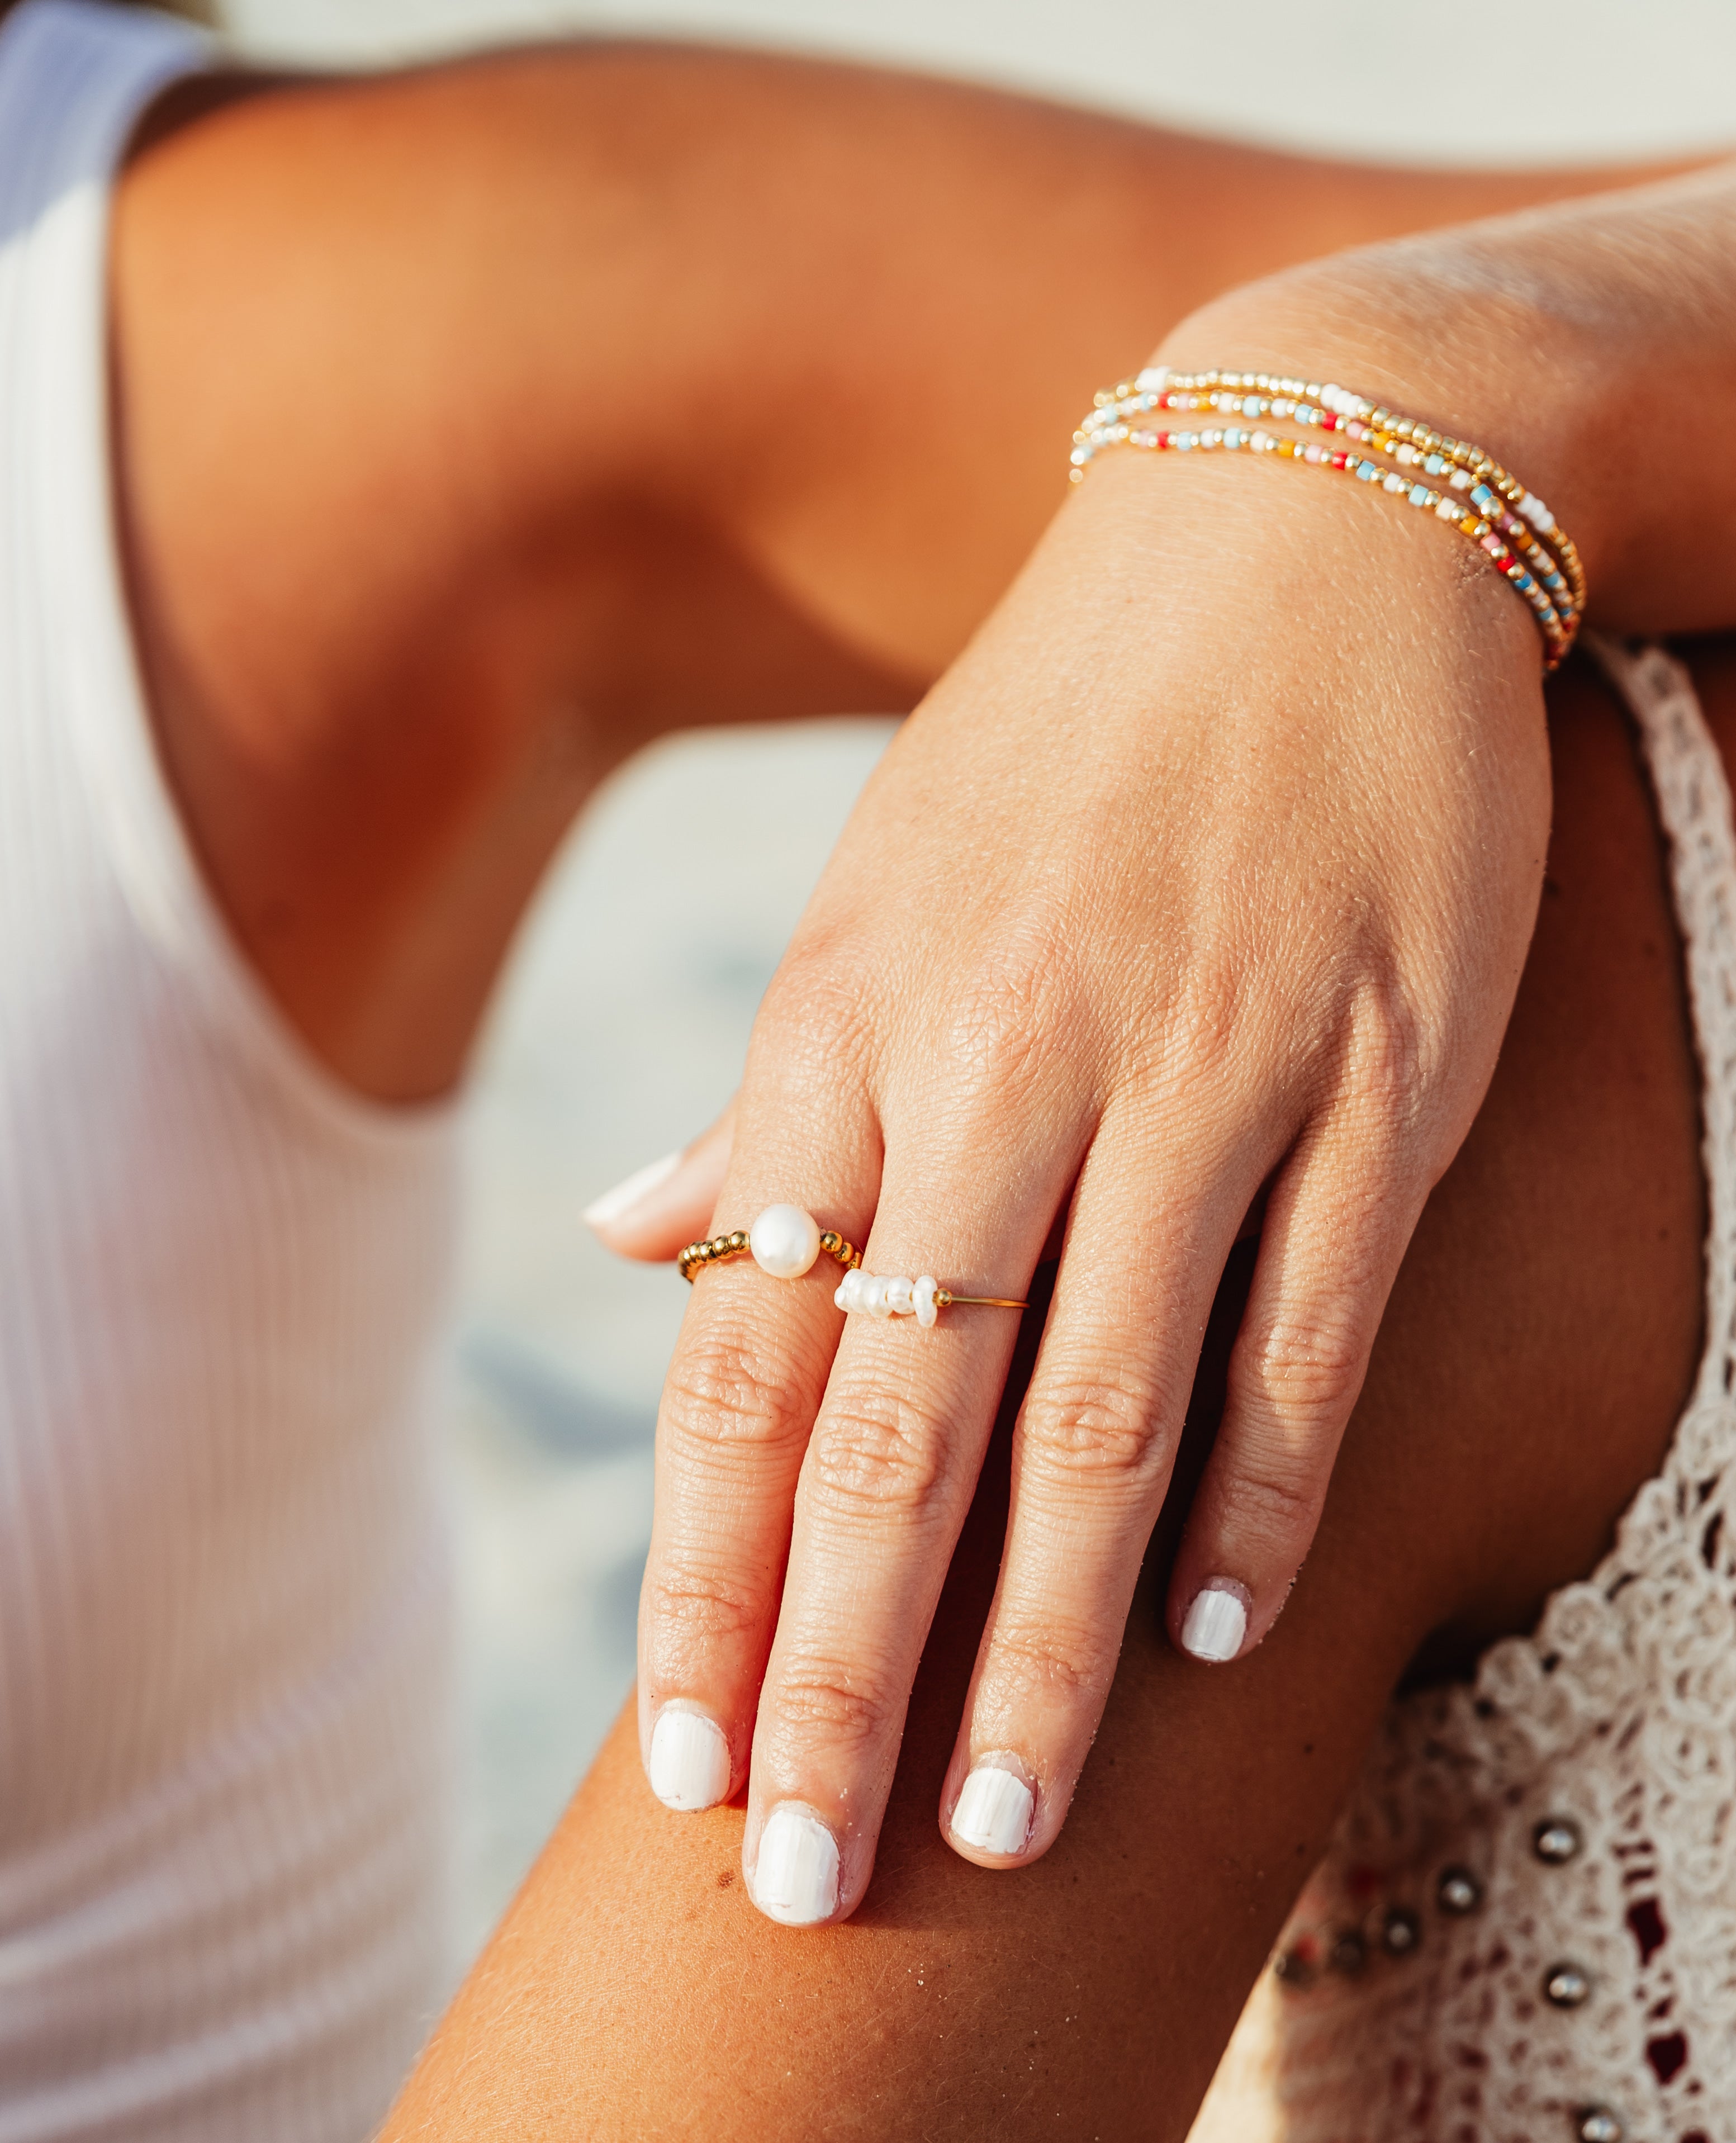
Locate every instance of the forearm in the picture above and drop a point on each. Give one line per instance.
(844, 319)
(486, 421)
(1588, 345)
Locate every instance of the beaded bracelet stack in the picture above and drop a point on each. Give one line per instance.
(1511, 525)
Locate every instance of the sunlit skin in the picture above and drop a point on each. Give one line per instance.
(479, 425)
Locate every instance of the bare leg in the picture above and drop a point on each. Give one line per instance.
(1537, 1352)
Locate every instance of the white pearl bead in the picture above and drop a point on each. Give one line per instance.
(922, 1297)
(850, 1295)
(873, 1297)
(785, 1241)
(898, 1302)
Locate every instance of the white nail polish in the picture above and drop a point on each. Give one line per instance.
(795, 1879)
(1216, 1623)
(690, 1765)
(627, 1194)
(993, 1813)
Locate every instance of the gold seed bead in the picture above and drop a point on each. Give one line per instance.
(738, 1240)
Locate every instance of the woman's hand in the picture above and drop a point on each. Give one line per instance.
(1211, 868)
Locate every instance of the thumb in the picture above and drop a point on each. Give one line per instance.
(661, 1208)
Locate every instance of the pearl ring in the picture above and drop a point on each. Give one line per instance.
(785, 1242)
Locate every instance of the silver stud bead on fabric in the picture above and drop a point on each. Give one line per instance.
(1556, 1840)
(1401, 1932)
(1458, 1892)
(1566, 1985)
(1598, 2125)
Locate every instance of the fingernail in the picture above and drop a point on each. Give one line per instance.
(690, 1765)
(626, 1195)
(1217, 1621)
(795, 1879)
(993, 1813)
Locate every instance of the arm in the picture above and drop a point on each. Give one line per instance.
(479, 423)
(1540, 1341)
(1238, 895)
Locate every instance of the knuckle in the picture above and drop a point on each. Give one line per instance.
(722, 1393)
(1104, 1424)
(1390, 1052)
(1304, 1376)
(815, 1017)
(876, 1455)
(1273, 1501)
(692, 1610)
(1057, 1660)
(824, 1700)
(1210, 1013)
(998, 1033)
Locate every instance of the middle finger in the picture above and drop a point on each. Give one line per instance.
(884, 1488)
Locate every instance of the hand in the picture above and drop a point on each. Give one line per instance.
(1211, 868)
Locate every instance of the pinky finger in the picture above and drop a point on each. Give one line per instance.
(1336, 1229)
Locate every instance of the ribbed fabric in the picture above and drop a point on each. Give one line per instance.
(223, 1602)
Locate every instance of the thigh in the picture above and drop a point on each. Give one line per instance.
(1538, 1348)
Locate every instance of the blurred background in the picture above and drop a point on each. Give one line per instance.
(622, 1028)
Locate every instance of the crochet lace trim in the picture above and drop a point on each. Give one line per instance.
(1577, 1801)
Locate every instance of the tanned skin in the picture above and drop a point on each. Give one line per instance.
(477, 426)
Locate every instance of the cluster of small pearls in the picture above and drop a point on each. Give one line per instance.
(872, 1296)
(1492, 509)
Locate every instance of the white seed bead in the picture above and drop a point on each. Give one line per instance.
(898, 1302)
(784, 1241)
(921, 1296)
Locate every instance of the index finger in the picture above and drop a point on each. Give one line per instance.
(738, 1403)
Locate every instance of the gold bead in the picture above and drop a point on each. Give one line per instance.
(738, 1240)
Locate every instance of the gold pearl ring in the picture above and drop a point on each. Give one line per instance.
(785, 1242)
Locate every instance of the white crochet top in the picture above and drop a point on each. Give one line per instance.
(1525, 1928)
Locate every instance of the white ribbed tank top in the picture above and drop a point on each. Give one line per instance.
(223, 1607)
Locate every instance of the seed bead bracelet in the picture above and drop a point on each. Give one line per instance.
(1557, 637)
(1407, 439)
(1557, 600)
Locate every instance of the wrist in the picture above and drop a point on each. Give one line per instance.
(1403, 341)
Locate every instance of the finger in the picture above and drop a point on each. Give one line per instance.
(886, 1482)
(739, 1400)
(660, 1209)
(1336, 1229)
(1093, 1447)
